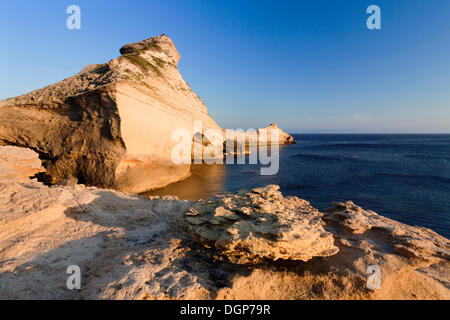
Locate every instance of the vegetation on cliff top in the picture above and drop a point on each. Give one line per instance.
(142, 63)
(100, 69)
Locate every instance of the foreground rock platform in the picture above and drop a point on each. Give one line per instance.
(250, 226)
(131, 247)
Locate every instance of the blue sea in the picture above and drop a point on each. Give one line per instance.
(405, 177)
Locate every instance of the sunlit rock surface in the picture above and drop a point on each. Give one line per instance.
(250, 226)
(111, 124)
(18, 164)
(131, 247)
(409, 241)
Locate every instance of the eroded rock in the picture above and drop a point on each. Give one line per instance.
(283, 137)
(250, 226)
(18, 164)
(111, 124)
(410, 241)
(131, 247)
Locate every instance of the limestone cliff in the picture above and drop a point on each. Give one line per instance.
(283, 137)
(111, 124)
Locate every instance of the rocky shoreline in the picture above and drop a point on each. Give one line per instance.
(112, 124)
(255, 244)
(99, 137)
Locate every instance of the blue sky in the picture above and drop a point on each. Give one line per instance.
(307, 65)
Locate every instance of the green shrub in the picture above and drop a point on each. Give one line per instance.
(142, 63)
(152, 46)
(159, 62)
(100, 68)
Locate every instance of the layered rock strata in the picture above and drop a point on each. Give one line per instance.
(18, 164)
(111, 124)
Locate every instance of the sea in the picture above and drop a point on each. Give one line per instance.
(405, 177)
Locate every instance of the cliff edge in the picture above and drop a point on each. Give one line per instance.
(111, 124)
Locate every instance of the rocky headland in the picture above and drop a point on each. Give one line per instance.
(254, 244)
(111, 124)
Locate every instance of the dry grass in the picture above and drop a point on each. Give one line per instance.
(142, 63)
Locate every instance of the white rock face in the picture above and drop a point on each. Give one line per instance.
(283, 137)
(18, 164)
(153, 104)
(111, 125)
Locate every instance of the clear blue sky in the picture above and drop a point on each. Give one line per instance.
(308, 65)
